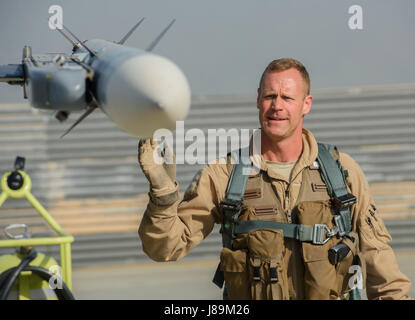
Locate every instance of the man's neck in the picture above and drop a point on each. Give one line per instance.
(285, 150)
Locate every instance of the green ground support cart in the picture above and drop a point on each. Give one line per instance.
(27, 272)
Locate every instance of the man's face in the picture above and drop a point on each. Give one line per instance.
(282, 104)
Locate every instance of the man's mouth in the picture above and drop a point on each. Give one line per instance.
(276, 119)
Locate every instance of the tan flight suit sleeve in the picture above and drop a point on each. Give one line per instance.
(384, 279)
(170, 232)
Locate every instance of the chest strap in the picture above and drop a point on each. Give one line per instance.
(317, 234)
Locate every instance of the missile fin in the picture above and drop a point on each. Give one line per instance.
(161, 35)
(122, 41)
(82, 117)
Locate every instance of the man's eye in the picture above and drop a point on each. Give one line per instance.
(271, 96)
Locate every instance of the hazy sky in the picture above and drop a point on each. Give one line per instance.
(223, 45)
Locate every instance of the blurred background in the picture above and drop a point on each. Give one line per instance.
(362, 81)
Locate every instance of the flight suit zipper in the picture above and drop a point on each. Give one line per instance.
(287, 204)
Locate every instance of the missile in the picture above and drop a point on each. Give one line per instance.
(138, 90)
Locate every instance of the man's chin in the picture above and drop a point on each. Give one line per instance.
(275, 135)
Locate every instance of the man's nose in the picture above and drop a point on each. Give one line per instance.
(277, 103)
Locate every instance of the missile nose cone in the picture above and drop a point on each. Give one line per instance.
(144, 93)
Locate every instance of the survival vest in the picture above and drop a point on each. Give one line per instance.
(253, 242)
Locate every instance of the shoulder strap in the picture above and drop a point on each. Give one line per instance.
(237, 183)
(331, 171)
(334, 176)
(231, 206)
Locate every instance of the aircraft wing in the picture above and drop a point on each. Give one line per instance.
(12, 73)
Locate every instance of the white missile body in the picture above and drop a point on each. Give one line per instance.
(138, 90)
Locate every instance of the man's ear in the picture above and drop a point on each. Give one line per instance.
(308, 100)
(258, 97)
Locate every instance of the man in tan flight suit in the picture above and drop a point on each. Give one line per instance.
(170, 228)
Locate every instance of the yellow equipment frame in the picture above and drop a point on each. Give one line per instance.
(63, 239)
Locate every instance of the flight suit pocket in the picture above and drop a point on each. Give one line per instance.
(268, 277)
(320, 276)
(233, 263)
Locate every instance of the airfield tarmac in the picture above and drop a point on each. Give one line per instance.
(182, 280)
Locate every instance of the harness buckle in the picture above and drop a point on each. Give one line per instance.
(231, 205)
(231, 208)
(322, 233)
(230, 211)
(344, 201)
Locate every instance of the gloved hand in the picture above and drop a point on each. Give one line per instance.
(158, 165)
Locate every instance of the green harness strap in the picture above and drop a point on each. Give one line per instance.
(317, 234)
(334, 177)
(231, 208)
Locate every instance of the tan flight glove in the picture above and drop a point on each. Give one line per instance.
(159, 166)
